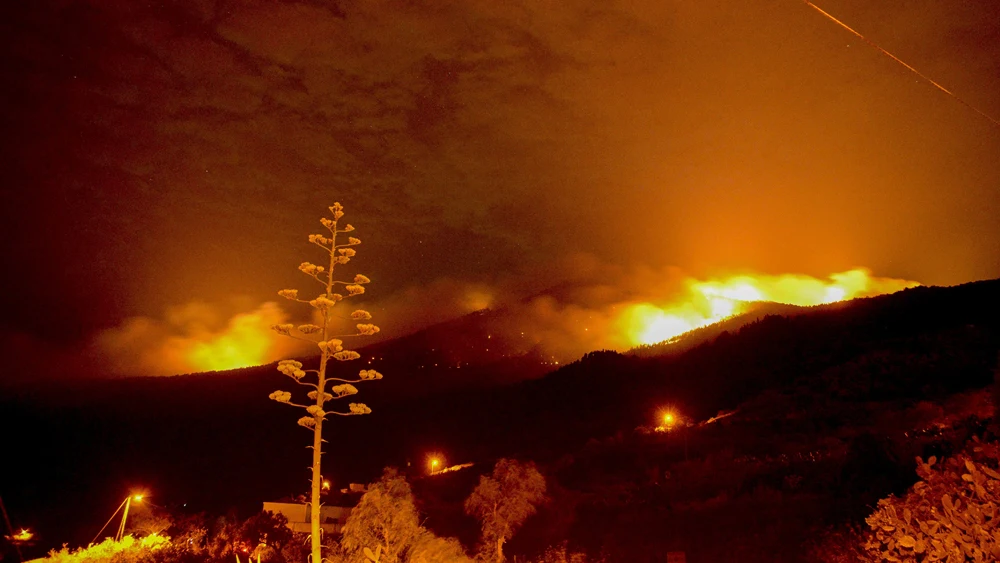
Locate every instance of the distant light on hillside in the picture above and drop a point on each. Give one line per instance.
(710, 301)
(669, 418)
(25, 535)
(434, 463)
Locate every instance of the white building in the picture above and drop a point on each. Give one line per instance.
(299, 520)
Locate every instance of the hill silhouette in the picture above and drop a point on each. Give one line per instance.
(213, 441)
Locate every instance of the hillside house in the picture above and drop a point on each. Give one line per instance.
(299, 518)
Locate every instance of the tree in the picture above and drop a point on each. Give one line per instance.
(262, 536)
(331, 348)
(385, 520)
(144, 520)
(268, 533)
(503, 502)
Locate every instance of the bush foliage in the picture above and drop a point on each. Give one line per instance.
(950, 515)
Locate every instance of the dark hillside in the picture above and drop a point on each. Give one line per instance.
(214, 441)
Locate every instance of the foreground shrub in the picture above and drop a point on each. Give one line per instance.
(127, 550)
(950, 515)
(562, 554)
(841, 544)
(429, 548)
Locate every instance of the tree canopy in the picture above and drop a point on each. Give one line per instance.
(504, 500)
(385, 517)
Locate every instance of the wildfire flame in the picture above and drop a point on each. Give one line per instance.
(199, 337)
(245, 342)
(194, 337)
(708, 302)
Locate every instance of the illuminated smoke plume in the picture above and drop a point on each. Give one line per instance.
(594, 307)
(192, 338)
(417, 307)
(615, 309)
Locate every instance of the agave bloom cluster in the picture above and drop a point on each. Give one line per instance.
(367, 329)
(368, 374)
(331, 346)
(292, 369)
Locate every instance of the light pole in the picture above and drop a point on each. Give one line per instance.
(25, 535)
(126, 504)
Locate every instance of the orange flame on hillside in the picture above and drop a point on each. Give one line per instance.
(195, 337)
(708, 302)
(245, 342)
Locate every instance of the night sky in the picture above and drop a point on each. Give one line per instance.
(164, 161)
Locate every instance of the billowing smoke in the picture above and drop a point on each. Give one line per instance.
(579, 306)
(200, 336)
(417, 307)
(194, 337)
(596, 306)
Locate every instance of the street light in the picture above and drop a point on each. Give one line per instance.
(434, 464)
(672, 420)
(126, 504)
(668, 419)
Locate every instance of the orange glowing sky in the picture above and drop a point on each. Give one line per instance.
(168, 154)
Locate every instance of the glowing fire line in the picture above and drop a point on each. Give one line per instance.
(247, 341)
(708, 302)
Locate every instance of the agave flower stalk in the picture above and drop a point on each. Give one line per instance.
(326, 390)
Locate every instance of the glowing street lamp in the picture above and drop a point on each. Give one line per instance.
(668, 420)
(672, 420)
(326, 484)
(434, 464)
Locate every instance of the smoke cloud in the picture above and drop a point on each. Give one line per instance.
(584, 305)
(194, 337)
